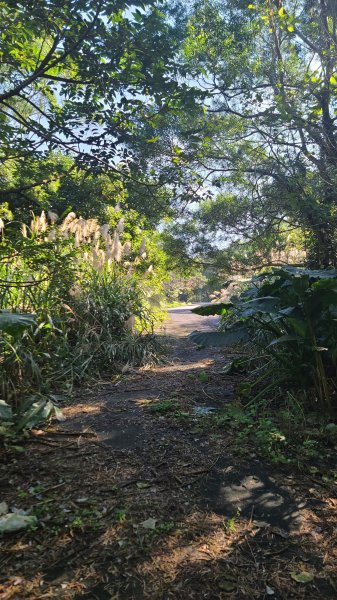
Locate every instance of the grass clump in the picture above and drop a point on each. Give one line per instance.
(164, 406)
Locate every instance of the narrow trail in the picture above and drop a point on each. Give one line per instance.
(139, 497)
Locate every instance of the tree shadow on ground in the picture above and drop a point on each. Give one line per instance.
(222, 527)
(210, 561)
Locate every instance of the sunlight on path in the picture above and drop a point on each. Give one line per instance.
(182, 321)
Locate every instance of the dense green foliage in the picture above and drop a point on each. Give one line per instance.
(80, 84)
(87, 300)
(265, 145)
(82, 73)
(111, 89)
(193, 140)
(288, 320)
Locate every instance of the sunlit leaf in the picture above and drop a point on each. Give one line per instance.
(302, 576)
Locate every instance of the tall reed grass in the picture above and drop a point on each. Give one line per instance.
(90, 294)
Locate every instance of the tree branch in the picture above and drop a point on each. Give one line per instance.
(45, 65)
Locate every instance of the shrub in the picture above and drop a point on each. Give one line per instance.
(74, 301)
(289, 317)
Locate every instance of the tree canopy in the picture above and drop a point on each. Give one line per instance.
(222, 114)
(82, 78)
(267, 138)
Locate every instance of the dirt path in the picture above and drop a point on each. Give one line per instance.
(138, 499)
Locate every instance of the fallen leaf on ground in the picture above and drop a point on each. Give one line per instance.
(12, 522)
(227, 586)
(149, 523)
(3, 508)
(302, 577)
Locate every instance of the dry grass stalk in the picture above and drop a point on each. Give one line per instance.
(107, 247)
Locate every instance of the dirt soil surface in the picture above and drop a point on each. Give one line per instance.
(136, 501)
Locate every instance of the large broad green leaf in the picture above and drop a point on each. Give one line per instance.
(325, 285)
(5, 411)
(231, 337)
(212, 309)
(311, 273)
(267, 304)
(14, 323)
(298, 325)
(249, 294)
(39, 411)
(300, 285)
(291, 312)
(284, 339)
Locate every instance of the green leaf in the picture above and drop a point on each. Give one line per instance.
(231, 337)
(236, 366)
(267, 304)
(311, 273)
(212, 309)
(203, 377)
(5, 411)
(331, 428)
(302, 577)
(14, 323)
(37, 412)
(283, 339)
